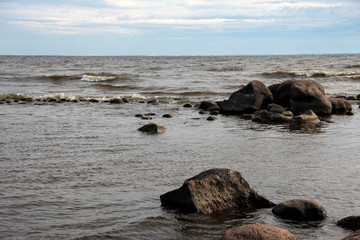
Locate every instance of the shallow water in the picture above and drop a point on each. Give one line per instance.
(82, 170)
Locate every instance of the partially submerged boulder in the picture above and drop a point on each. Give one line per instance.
(257, 232)
(152, 128)
(306, 117)
(340, 105)
(302, 95)
(214, 190)
(254, 96)
(351, 222)
(300, 209)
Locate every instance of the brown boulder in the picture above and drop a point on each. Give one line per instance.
(214, 190)
(308, 95)
(306, 117)
(300, 209)
(257, 232)
(340, 105)
(351, 222)
(254, 96)
(353, 236)
(302, 95)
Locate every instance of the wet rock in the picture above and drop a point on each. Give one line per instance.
(152, 128)
(214, 190)
(340, 105)
(275, 108)
(353, 236)
(247, 116)
(350, 98)
(214, 112)
(351, 222)
(93, 100)
(167, 116)
(254, 96)
(208, 105)
(153, 102)
(116, 101)
(211, 118)
(257, 232)
(358, 97)
(139, 115)
(308, 116)
(146, 117)
(301, 210)
(125, 99)
(264, 116)
(202, 112)
(350, 113)
(187, 105)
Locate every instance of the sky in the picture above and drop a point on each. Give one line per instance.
(179, 27)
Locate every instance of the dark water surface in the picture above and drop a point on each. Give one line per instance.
(82, 170)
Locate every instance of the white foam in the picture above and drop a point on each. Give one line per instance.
(94, 78)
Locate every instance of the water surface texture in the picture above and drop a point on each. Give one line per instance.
(77, 167)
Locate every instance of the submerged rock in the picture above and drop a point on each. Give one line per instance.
(257, 232)
(211, 118)
(300, 209)
(306, 117)
(353, 236)
(152, 128)
(351, 222)
(214, 190)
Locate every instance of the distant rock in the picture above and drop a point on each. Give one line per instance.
(214, 190)
(300, 209)
(340, 105)
(166, 115)
(257, 232)
(152, 128)
(254, 96)
(351, 222)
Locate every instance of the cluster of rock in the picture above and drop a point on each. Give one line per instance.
(220, 189)
(289, 101)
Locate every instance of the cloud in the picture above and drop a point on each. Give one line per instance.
(134, 17)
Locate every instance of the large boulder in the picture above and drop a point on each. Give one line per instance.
(214, 190)
(300, 209)
(351, 222)
(257, 232)
(302, 95)
(340, 105)
(254, 96)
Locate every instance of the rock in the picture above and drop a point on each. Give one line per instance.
(350, 113)
(153, 102)
(350, 98)
(358, 97)
(93, 100)
(264, 116)
(353, 236)
(300, 209)
(202, 112)
(146, 117)
(340, 105)
(257, 232)
(309, 95)
(139, 115)
(152, 128)
(302, 95)
(166, 115)
(254, 96)
(211, 118)
(351, 222)
(275, 108)
(187, 105)
(116, 101)
(273, 88)
(247, 116)
(214, 190)
(205, 105)
(308, 116)
(214, 112)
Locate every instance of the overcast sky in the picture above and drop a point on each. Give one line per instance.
(179, 27)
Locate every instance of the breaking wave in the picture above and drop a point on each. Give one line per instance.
(101, 77)
(310, 74)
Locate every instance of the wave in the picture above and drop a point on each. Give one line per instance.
(188, 93)
(103, 76)
(310, 74)
(110, 86)
(59, 77)
(353, 66)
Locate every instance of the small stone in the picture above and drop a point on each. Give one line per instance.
(139, 115)
(204, 112)
(153, 102)
(152, 128)
(167, 116)
(150, 114)
(187, 105)
(214, 112)
(257, 232)
(350, 113)
(358, 97)
(115, 101)
(211, 118)
(146, 118)
(93, 100)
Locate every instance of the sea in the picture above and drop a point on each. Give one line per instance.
(73, 164)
